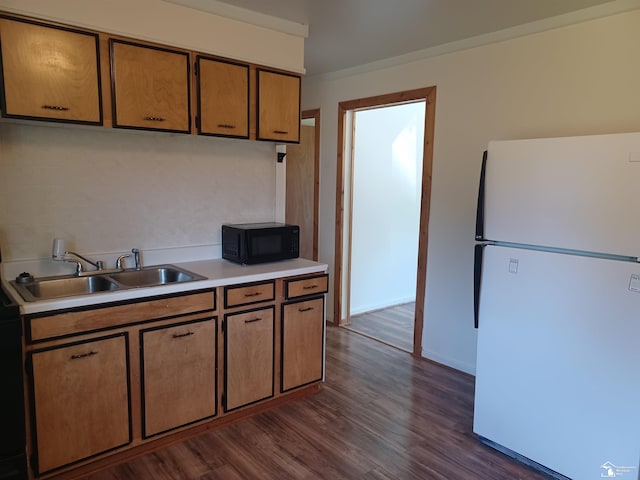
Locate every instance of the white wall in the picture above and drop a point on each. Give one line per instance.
(575, 80)
(108, 190)
(387, 173)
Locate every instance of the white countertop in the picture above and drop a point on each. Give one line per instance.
(217, 272)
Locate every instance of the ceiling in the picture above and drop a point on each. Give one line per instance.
(349, 33)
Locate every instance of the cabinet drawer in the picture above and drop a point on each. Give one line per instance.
(83, 321)
(249, 293)
(306, 286)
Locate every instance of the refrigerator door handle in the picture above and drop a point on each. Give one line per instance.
(477, 280)
(480, 206)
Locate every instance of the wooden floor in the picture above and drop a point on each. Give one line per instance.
(382, 414)
(393, 325)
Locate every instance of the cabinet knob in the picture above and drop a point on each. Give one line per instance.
(257, 319)
(305, 309)
(226, 125)
(281, 132)
(155, 119)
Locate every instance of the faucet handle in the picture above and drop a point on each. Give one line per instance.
(78, 263)
(120, 259)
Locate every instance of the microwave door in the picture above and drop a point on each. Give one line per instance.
(265, 245)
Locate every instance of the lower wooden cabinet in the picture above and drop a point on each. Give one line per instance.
(302, 352)
(81, 400)
(178, 375)
(249, 357)
(103, 380)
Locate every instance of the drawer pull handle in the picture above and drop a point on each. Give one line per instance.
(281, 132)
(155, 119)
(182, 335)
(83, 355)
(309, 287)
(253, 320)
(255, 294)
(305, 309)
(226, 125)
(60, 108)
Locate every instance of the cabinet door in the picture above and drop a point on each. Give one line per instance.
(150, 87)
(50, 73)
(278, 106)
(178, 375)
(302, 343)
(248, 357)
(223, 98)
(81, 400)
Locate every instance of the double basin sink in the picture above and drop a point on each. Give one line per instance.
(46, 288)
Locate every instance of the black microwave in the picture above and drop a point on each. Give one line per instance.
(251, 243)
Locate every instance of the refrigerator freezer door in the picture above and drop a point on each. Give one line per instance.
(557, 376)
(577, 193)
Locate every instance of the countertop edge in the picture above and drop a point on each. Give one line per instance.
(218, 273)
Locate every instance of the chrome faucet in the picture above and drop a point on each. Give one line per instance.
(99, 265)
(137, 258)
(59, 253)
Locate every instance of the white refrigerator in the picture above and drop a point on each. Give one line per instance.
(558, 304)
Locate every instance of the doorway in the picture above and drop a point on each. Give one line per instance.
(303, 185)
(385, 191)
(345, 204)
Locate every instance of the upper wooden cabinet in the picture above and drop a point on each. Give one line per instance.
(49, 72)
(150, 87)
(52, 72)
(278, 105)
(223, 98)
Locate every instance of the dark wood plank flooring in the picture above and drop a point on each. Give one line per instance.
(393, 325)
(382, 414)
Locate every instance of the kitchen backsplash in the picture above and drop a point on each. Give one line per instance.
(109, 190)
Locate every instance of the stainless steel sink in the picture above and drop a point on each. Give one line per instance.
(66, 286)
(58, 287)
(158, 275)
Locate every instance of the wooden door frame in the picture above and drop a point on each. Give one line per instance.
(429, 95)
(315, 114)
